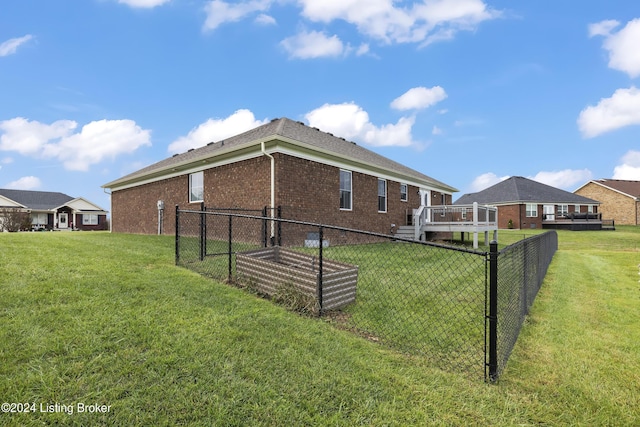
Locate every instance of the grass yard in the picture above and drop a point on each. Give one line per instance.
(105, 319)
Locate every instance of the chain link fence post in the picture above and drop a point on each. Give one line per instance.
(493, 311)
(321, 244)
(177, 234)
(203, 232)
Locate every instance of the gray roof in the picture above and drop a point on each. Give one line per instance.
(517, 190)
(278, 129)
(36, 200)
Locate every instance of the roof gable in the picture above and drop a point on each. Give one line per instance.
(627, 187)
(517, 190)
(298, 135)
(36, 200)
(81, 204)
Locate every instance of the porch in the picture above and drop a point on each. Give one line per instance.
(473, 219)
(577, 221)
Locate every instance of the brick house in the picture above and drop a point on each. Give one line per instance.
(313, 175)
(531, 204)
(619, 199)
(54, 211)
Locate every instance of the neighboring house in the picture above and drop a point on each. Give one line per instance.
(54, 211)
(619, 199)
(530, 204)
(313, 175)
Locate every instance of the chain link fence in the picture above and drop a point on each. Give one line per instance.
(514, 285)
(416, 297)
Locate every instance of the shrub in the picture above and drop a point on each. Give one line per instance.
(13, 220)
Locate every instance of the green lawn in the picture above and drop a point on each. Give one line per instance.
(97, 318)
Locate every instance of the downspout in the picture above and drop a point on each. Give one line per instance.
(273, 186)
(111, 206)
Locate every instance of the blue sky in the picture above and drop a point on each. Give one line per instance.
(466, 91)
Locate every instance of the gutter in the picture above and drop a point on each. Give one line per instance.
(273, 186)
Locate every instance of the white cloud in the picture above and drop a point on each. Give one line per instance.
(436, 131)
(622, 109)
(602, 28)
(11, 46)
(423, 22)
(363, 49)
(381, 19)
(484, 181)
(265, 19)
(30, 137)
(314, 44)
(219, 12)
(622, 46)
(419, 98)
(95, 142)
(143, 4)
(24, 183)
(215, 130)
(565, 179)
(350, 121)
(630, 167)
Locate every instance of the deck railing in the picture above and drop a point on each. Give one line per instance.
(464, 218)
(474, 214)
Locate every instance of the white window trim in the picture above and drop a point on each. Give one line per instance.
(191, 200)
(404, 196)
(563, 210)
(36, 218)
(527, 210)
(88, 219)
(385, 195)
(350, 208)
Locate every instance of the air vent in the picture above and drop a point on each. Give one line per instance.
(211, 143)
(274, 120)
(175, 155)
(190, 150)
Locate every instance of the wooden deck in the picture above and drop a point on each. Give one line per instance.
(457, 218)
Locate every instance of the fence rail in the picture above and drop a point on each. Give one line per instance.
(416, 297)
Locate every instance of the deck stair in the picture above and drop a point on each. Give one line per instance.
(405, 232)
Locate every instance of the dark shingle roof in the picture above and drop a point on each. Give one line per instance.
(632, 188)
(518, 190)
(36, 200)
(285, 128)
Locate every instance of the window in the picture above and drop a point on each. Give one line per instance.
(590, 208)
(563, 210)
(576, 208)
(532, 210)
(89, 219)
(196, 187)
(39, 218)
(382, 195)
(345, 190)
(403, 192)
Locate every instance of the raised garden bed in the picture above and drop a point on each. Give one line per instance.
(269, 269)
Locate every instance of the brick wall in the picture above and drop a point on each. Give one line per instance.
(310, 191)
(243, 184)
(622, 209)
(307, 190)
